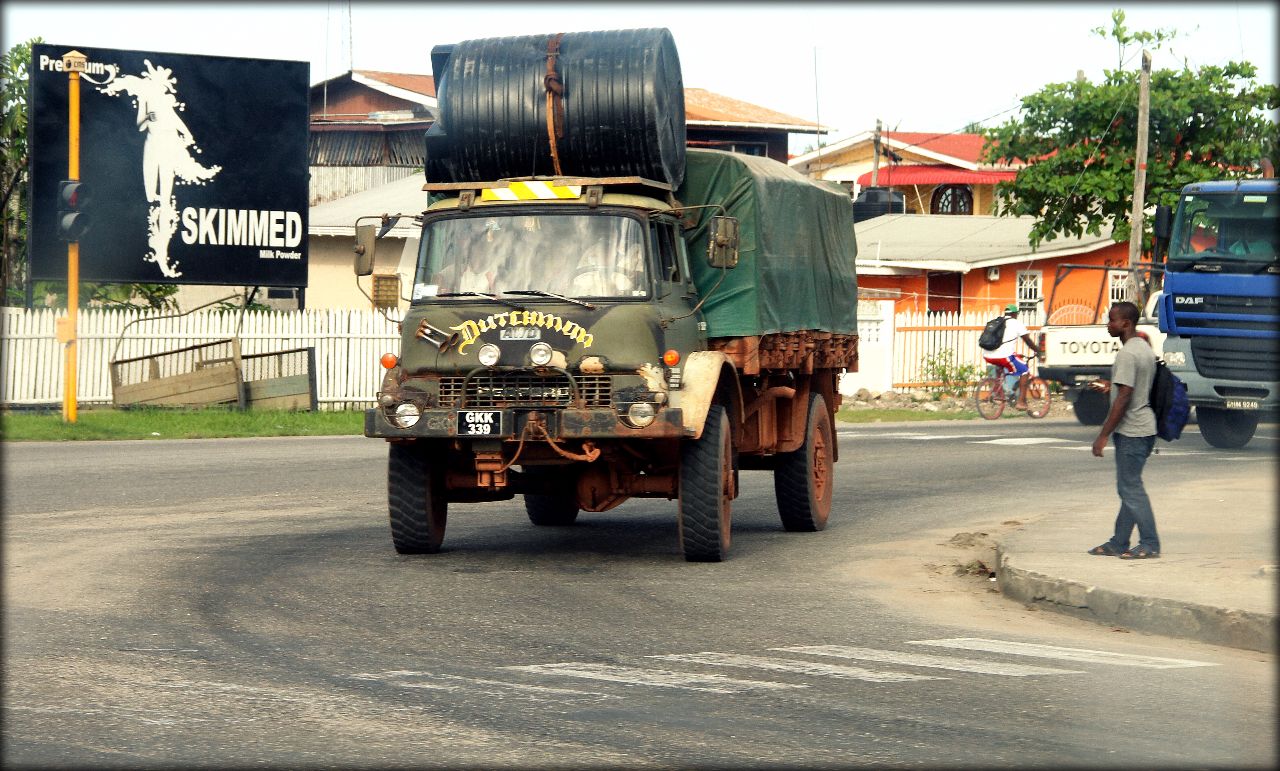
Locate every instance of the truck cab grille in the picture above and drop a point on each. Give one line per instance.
(525, 389)
(1236, 358)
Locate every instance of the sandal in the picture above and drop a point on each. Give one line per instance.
(1105, 550)
(1139, 553)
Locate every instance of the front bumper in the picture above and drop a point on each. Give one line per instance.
(1073, 377)
(560, 423)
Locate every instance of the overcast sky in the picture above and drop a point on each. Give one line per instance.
(916, 66)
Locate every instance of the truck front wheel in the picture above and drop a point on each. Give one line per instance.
(1091, 407)
(803, 478)
(707, 491)
(415, 500)
(1226, 429)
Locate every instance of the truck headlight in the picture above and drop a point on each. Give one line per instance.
(640, 414)
(406, 415)
(1175, 358)
(540, 354)
(488, 354)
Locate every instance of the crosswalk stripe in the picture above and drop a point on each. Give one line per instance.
(926, 660)
(432, 681)
(801, 667)
(659, 678)
(1022, 440)
(1066, 654)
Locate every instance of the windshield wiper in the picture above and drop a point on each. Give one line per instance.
(553, 295)
(486, 296)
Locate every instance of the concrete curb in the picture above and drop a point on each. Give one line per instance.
(1218, 626)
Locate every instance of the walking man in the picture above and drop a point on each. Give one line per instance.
(1133, 424)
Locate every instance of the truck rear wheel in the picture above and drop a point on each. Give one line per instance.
(1091, 407)
(1226, 429)
(549, 510)
(415, 500)
(803, 479)
(707, 484)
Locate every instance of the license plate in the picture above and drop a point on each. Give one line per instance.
(520, 333)
(480, 423)
(1241, 404)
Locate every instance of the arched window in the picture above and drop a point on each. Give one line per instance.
(952, 199)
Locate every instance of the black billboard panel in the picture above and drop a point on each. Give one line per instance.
(197, 165)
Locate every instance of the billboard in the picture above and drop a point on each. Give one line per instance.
(197, 167)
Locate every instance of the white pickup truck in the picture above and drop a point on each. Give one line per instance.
(1077, 354)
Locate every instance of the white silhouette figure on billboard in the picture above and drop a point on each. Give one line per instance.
(166, 154)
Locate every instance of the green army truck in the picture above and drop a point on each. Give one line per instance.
(583, 340)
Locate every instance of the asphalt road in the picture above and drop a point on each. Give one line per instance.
(237, 602)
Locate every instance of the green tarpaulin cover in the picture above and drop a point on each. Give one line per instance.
(795, 254)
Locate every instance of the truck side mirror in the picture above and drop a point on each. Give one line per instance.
(366, 237)
(1161, 226)
(722, 247)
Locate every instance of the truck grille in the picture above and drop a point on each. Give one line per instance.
(1264, 309)
(1236, 358)
(521, 389)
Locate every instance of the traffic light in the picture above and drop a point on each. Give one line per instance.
(73, 220)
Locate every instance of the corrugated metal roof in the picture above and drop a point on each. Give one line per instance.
(703, 105)
(419, 84)
(959, 243)
(338, 218)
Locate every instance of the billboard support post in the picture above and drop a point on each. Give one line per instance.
(74, 63)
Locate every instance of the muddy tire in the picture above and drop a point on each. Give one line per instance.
(415, 500)
(1091, 407)
(707, 487)
(549, 510)
(803, 478)
(1226, 429)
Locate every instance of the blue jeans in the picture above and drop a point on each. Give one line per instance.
(1135, 507)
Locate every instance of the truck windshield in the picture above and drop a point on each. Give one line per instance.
(573, 255)
(1233, 232)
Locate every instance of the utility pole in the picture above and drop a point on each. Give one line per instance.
(1138, 288)
(875, 169)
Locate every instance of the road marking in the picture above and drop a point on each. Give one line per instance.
(424, 680)
(659, 678)
(801, 667)
(1066, 654)
(1021, 440)
(862, 434)
(926, 660)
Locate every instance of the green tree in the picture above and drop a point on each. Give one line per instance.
(14, 68)
(1079, 140)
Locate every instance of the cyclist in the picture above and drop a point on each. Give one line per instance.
(1006, 359)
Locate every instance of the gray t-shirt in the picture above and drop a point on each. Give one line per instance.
(1135, 366)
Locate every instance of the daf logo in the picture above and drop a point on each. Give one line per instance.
(1187, 300)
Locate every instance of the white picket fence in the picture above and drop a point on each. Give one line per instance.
(348, 345)
(918, 336)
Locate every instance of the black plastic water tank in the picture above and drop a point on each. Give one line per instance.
(874, 201)
(623, 107)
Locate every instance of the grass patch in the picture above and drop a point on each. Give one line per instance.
(177, 424)
(901, 415)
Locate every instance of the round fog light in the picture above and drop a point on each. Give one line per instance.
(641, 414)
(406, 415)
(540, 354)
(488, 354)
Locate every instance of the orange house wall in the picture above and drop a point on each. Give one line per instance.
(979, 294)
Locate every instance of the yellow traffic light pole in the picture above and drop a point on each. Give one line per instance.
(74, 63)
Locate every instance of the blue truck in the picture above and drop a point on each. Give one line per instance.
(1220, 308)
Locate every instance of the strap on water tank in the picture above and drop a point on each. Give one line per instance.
(555, 100)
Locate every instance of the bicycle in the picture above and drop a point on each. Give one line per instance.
(990, 395)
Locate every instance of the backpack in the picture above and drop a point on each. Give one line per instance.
(992, 334)
(1169, 402)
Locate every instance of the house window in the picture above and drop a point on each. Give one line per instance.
(944, 292)
(386, 290)
(1118, 286)
(952, 199)
(1029, 291)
